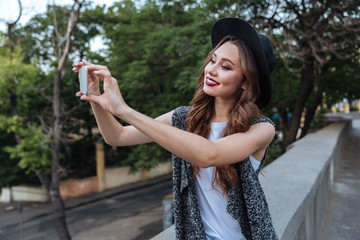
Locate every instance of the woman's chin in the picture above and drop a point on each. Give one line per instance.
(208, 91)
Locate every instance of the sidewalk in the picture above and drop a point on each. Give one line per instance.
(10, 216)
(343, 216)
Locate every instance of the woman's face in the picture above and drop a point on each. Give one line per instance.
(223, 75)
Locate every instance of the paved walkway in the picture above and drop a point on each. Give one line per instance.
(108, 219)
(343, 217)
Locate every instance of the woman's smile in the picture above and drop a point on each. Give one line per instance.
(211, 82)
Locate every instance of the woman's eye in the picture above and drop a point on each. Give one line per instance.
(212, 61)
(226, 67)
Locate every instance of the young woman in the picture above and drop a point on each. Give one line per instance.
(218, 144)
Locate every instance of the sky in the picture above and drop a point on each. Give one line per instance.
(9, 11)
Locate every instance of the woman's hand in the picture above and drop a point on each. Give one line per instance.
(93, 80)
(111, 100)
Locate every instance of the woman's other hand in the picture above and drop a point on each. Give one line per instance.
(111, 99)
(93, 79)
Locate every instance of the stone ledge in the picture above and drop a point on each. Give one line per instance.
(298, 184)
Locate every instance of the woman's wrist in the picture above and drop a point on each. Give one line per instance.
(122, 111)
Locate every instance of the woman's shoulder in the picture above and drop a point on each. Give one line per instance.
(181, 112)
(262, 119)
(182, 109)
(179, 116)
(264, 129)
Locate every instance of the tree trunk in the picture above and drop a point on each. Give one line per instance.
(45, 181)
(57, 203)
(310, 112)
(306, 86)
(14, 112)
(13, 104)
(11, 44)
(13, 95)
(59, 215)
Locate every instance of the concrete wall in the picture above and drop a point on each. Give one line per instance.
(77, 187)
(298, 184)
(120, 175)
(114, 177)
(23, 193)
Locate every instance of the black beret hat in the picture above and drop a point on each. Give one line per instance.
(258, 43)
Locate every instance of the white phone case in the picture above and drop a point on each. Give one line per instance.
(84, 80)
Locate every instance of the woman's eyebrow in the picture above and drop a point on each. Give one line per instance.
(228, 60)
(225, 59)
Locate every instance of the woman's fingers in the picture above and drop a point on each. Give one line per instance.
(80, 94)
(102, 74)
(90, 98)
(78, 65)
(93, 68)
(86, 62)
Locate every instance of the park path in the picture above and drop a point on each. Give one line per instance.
(343, 217)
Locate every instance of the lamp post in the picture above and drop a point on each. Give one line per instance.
(100, 164)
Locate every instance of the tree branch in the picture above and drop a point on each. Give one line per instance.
(58, 36)
(67, 113)
(10, 25)
(20, 12)
(73, 18)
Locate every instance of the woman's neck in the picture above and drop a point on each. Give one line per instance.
(222, 109)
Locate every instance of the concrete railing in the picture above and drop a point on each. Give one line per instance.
(298, 184)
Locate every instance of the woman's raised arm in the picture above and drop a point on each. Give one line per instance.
(112, 131)
(197, 149)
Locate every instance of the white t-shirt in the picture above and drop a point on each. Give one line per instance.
(218, 223)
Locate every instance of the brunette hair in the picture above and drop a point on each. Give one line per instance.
(241, 115)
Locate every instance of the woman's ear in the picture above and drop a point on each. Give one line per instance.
(244, 85)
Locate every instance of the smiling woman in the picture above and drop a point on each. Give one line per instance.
(218, 144)
(230, 74)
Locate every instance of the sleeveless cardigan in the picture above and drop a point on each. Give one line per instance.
(246, 201)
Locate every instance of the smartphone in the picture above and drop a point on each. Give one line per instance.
(84, 79)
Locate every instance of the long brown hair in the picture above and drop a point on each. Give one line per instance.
(241, 114)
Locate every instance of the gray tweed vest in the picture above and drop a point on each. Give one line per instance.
(246, 201)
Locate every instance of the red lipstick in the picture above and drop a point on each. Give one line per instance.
(211, 82)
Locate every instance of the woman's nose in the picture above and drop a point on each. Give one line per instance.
(212, 69)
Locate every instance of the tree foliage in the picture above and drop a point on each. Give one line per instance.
(16, 79)
(34, 150)
(316, 36)
(155, 53)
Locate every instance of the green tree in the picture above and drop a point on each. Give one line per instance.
(34, 154)
(37, 41)
(34, 150)
(16, 81)
(316, 34)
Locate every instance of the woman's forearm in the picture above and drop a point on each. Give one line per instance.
(109, 127)
(117, 135)
(188, 146)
